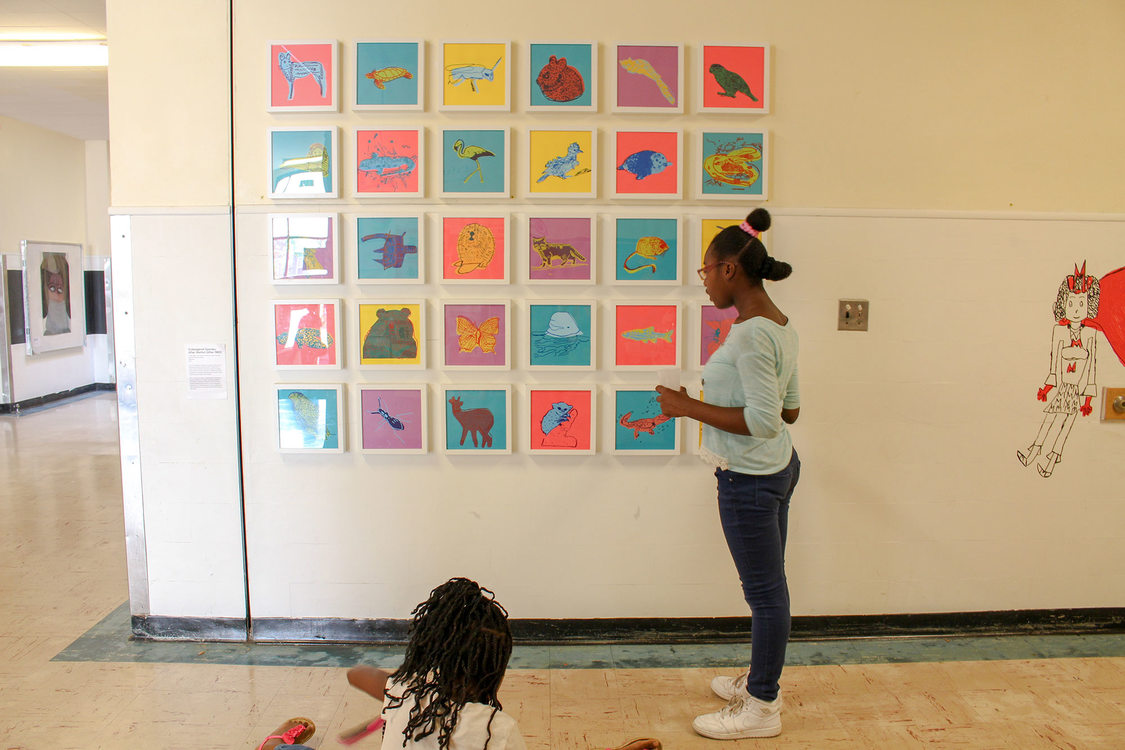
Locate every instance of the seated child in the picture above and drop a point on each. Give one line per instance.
(444, 694)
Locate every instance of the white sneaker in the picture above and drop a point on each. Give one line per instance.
(727, 687)
(742, 717)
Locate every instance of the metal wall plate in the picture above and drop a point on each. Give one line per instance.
(852, 315)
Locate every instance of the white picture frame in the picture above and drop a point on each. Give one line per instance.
(54, 300)
(458, 423)
(301, 246)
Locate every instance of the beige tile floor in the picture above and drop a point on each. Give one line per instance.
(62, 571)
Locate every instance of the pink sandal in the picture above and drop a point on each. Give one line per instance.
(644, 743)
(354, 735)
(301, 730)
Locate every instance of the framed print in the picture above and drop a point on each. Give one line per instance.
(391, 334)
(476, 335)
(646, 335)
(388, 163)
(563, 77)
(392, 419)
(647, 164)
(475, 76)
(302, 76)
(305, 334)
(561, 249)
(477, 419)
(389, 249)
(733, 165)
(714, 327)
(302, 163)
(474, 163)
(54, 304)
(561, 163)
(735, 78)
(648, 78)
(310, 418)
(639, 427)
(709, 228)
(304, 249)
(561, 334)
(561, 421)
(474, 249)
(647, 250)
(389, 75)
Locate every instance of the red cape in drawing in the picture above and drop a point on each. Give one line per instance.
(1110, 319)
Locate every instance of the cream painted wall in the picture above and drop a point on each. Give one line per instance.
(43, 190)
(169, 114)
(169, 156)
(922, 154)
(43, 197)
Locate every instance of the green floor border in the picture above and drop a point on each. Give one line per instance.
(109, 641)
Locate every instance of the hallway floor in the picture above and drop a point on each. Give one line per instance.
(71, 678)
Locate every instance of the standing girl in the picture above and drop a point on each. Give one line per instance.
(750, 386)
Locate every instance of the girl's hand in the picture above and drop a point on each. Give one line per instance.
(673, 403)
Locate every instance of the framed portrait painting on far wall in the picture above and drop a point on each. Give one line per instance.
(54, 304)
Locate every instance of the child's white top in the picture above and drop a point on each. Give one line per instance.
(471, 732)
(755, 369)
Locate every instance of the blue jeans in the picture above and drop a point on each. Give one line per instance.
(754, 511)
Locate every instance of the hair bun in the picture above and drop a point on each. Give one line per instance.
(759, 218)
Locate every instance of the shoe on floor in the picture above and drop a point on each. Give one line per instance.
(744, 716)
(727, 687)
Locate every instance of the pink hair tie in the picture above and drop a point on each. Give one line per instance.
(745, 227)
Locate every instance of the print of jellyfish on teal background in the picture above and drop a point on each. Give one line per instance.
(561, 335)
(308, 418)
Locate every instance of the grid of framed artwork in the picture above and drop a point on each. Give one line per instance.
(403, 178)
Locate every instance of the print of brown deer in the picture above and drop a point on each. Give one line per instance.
(475, 421)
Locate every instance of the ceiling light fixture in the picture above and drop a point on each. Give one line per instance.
(53, 54)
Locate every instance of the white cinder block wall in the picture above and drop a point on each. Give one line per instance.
(916, 163)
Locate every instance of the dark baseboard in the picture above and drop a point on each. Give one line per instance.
(32, 403)
(156, 628)
(650, 630)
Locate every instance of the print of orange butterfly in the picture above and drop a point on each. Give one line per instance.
(470, 336)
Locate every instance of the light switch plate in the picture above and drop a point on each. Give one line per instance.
(852, 315)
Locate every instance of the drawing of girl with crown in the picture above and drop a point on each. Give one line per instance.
(1081, 309)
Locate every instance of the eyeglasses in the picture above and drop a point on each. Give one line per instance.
(703, 271)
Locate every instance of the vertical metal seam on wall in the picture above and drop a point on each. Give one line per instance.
(128, 418)
(234, 322)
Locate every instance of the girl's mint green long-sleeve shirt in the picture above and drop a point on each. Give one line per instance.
(756, 369)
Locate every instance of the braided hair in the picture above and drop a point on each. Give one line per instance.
(734, 242)
(458, 649)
